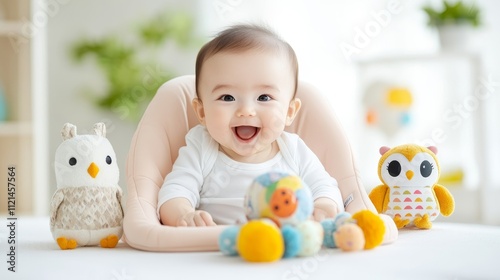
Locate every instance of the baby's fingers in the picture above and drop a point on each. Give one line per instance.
(198, 220)
(319, 215)
(203, 219)
(207, 219)
(182, 223)
(334, 213)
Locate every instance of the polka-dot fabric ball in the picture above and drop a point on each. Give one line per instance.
(227, 241)
(312, 237)
(281, 197)
(349, 237)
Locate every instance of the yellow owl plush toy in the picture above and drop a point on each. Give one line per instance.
(410, 192)
(86, 209)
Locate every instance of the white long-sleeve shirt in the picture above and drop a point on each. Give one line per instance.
(215, 183)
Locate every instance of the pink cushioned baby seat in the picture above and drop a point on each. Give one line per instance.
(161, 133)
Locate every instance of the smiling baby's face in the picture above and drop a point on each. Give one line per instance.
(245, 100)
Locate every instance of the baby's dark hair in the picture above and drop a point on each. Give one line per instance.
(244, 37)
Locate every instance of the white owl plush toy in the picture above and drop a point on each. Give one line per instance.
(86, 209)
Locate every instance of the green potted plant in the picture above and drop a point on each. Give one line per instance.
(132, 68)
(455, 22)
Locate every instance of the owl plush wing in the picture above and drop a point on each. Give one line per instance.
(119, 198)
(57, 199)
(445, 200)
(380, 197)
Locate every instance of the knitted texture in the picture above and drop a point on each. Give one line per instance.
(88, 208)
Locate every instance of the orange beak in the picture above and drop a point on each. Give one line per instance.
(93, 170)
(409, 174)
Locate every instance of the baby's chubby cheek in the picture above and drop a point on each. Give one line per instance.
(273, 125)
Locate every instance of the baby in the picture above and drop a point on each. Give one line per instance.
(246, 81)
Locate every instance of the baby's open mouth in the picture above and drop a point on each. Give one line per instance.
(246, 133)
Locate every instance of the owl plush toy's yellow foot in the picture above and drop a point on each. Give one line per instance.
(65, 244)
(423, 222)
(400, 223)
(110, 241)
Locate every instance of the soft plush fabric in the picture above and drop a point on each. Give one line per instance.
(410, 192)
(161, 133)
(86, 208)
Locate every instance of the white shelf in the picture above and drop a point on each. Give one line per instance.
(411, 58)
(9, 28)
(11, 128)
(23, 138)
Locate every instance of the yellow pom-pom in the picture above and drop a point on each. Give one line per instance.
(373, 227)
(260, 241)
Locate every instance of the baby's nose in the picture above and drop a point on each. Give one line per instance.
(246, 110)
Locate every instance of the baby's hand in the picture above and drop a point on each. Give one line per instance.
(324, 208)
(197, 218)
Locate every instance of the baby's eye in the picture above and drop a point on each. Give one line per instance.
(227, 98)
(264, 97)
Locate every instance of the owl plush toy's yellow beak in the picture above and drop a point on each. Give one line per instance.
(409, 174)
(93, 170)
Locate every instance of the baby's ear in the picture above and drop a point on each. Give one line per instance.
(293, 109)
(199, 110)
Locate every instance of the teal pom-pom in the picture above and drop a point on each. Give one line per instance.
(329, 228)
(293, 241)
(227, 241)
(342, 218)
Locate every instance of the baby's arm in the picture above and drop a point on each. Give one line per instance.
(180, 193)
(179, 212)
(324, 188)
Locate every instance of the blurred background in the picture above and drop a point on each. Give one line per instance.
(395, 72)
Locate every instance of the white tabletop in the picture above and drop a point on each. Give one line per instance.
(447, 251)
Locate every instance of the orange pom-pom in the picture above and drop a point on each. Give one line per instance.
(373, 227)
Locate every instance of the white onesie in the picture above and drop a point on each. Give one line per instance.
(215, 183)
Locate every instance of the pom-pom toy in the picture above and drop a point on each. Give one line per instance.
(227, 241)
(260, 241)
(410, 192)
(86, 209)
(363, 230)
(278, 207)
(350, 237)
(331, 225)
(372, 226)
